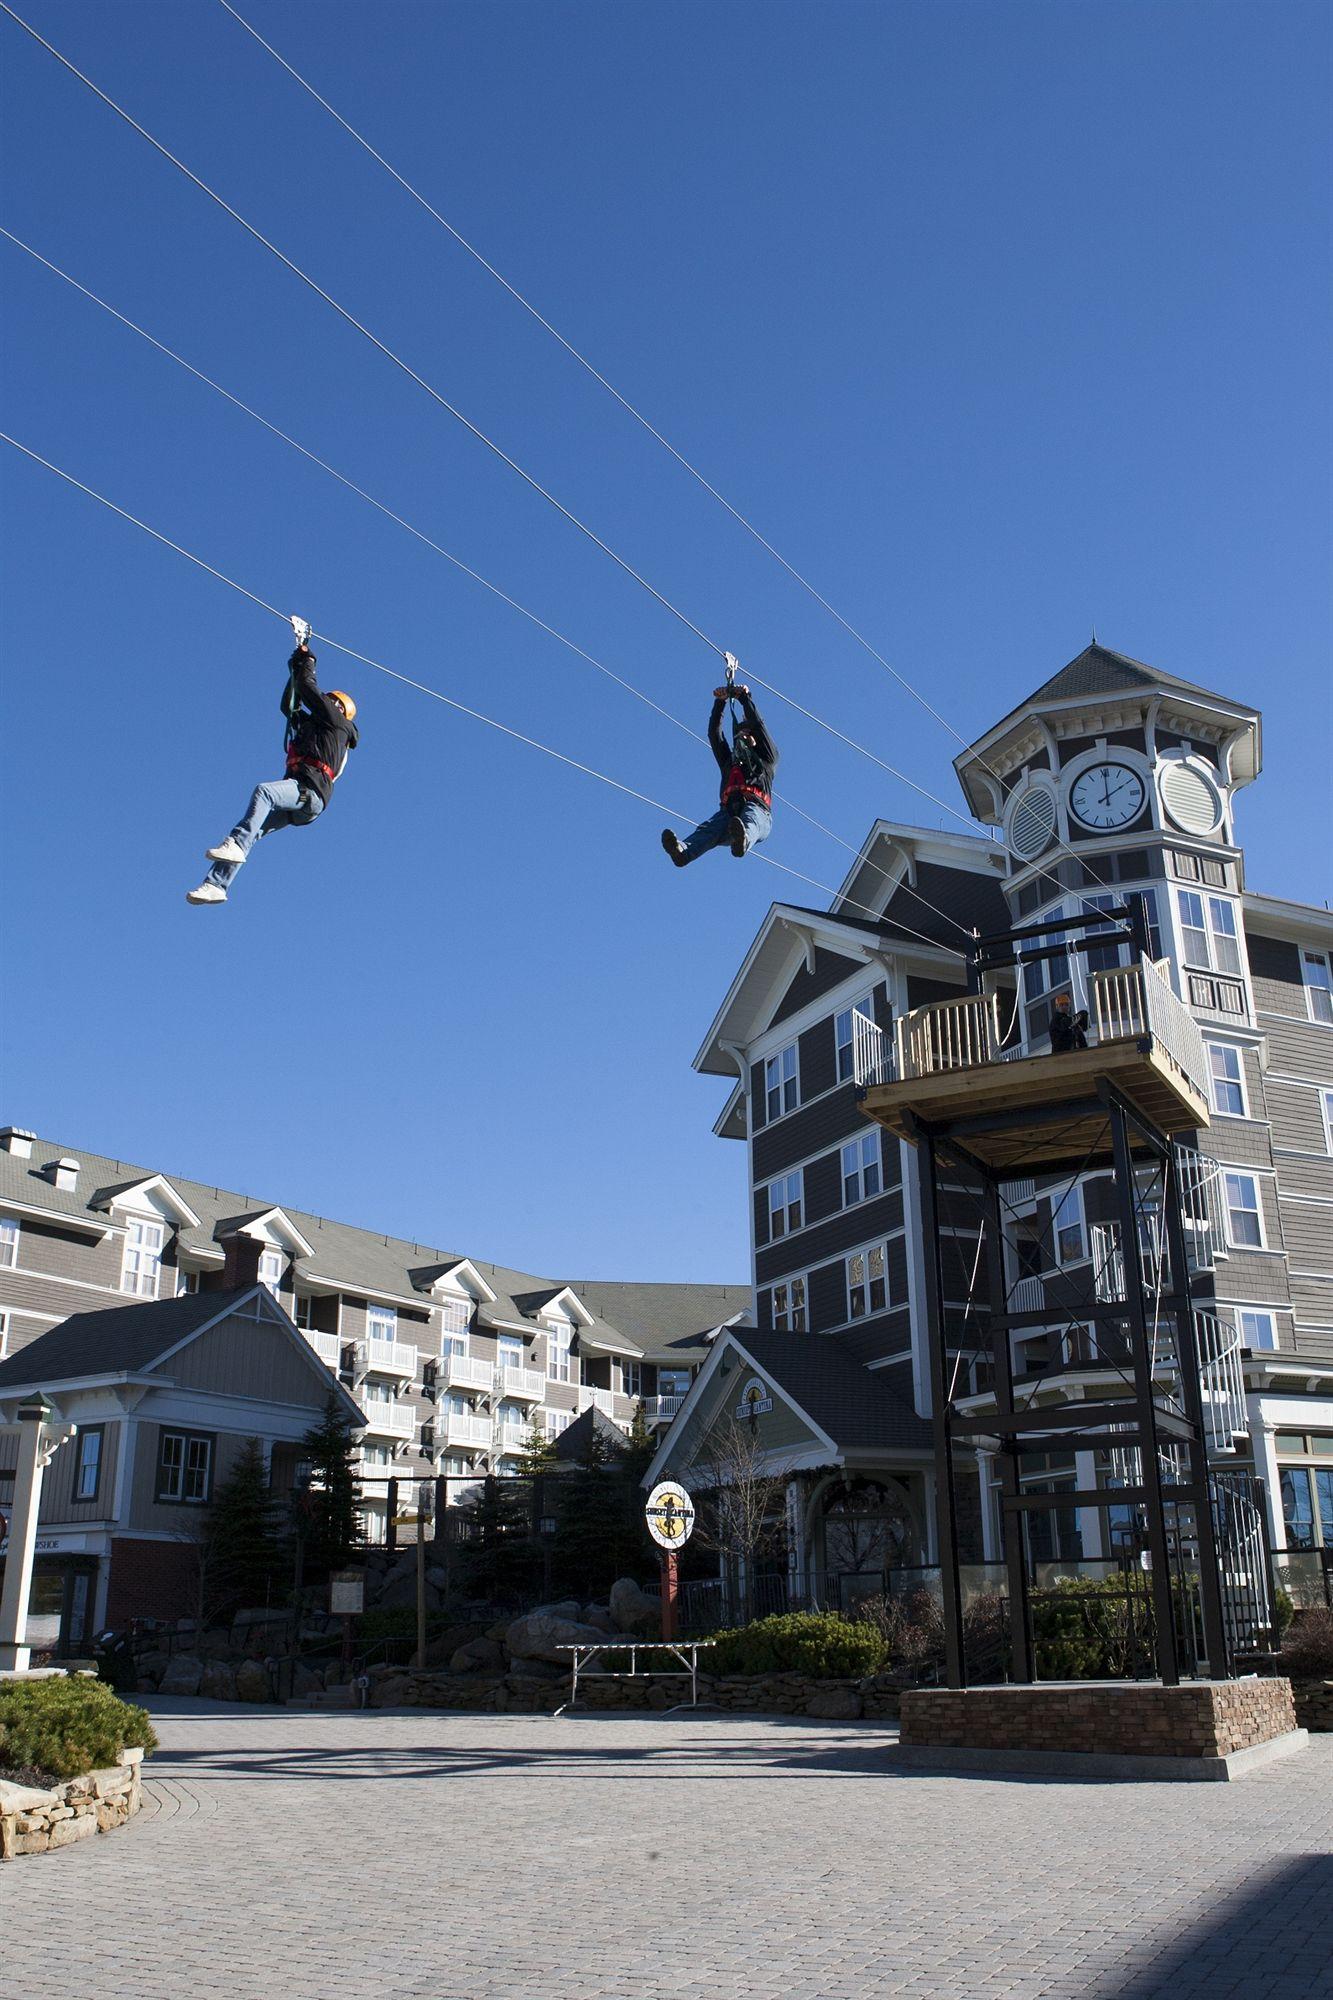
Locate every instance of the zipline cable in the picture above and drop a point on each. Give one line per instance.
(373, 338)
(437, 548)
(436, 396)
(632, 410)
(462, 708)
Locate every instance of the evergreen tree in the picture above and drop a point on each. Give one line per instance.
(327, 1512)
(499, 1555)
(599, 1508)
(243, 1561)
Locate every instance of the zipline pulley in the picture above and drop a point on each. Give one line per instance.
(733, 668)
(291, 695)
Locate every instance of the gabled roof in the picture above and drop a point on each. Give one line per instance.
(118, 1196)
(532, 1303)
(275, 1220)
(573, 1441)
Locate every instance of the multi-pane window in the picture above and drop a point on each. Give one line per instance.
(867, 1282)
(1318, 985)
(557, 1421)
(790, 1314)
(509, 1351)
(1326, 1102)
(455, 1316)
(559, 1335)
(674, 1381)
(844, 1034)
(271, 1265)
(381, 1322)
(88, 1465)
(781, 1083)
(143, 1256)
(631, 1378)
(9, 1242)
(1256, 1330)
(4, 1335)
(1307, 1489)
(185, 1468)
(1208, 931)
(784, 1205)
(1228, 1070)
(1067, 1227)
(861, 1176)
(1244, 1222)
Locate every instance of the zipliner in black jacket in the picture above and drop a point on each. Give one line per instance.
(745, 765)
(321, 733)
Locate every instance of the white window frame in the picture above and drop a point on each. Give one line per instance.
(4, 1332)
(1067, 1216)
(559, 1340)
(1316, 987)
(781, 1202)
(455, 1318)
(381, 1321)
(1221, 1083)
(844, 1052)
(1256, 1313)
(82, 1465)
(790, 1304)
(866, 1284)
(141, 1263)
(867, 1156)
(1210, 929)
(782, 1081)
(556, 1421)
(272, 1266)
(9, 1243)
(509, 1350)
(196, 1459)
(1325, 1105)
(1230, 1179)
(631, 1378)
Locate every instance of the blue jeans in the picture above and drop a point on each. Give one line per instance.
(280, 802)
(716, 832)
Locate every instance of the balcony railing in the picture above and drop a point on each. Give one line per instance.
(1202, 1212)
(468, 1432)
(948, 1034)
(386, 1357)
(872, 1052)
(1027, 1295)
(522, 1385)
(327, 1346)
(460, 1371)
(1221, 1380)
(393, 1420)
(660, 1409)
(511, 1437)
(597, 1399)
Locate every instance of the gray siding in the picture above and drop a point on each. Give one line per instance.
(833, 1117)
(806, 987)
(250, 1358)
(174, 1518)
(58, 1502)
(1298, 1122)
(845, 1230)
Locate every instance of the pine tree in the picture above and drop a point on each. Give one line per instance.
(500, 1557)
(599, 1508)
(327, 1511)
(243, 1560)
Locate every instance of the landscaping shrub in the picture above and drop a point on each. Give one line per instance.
(1307, 1650)
(66, 1726)
(1283, 1610)
(1084, 1630)
(819, 1643)
(912, 1629)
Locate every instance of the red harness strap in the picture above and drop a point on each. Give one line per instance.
(295, 760)
(735, 781)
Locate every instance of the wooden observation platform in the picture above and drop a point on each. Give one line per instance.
(946, 1069)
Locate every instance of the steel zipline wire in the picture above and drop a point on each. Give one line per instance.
(461, 708)
(437, 548)
(632, 410)
(435, 395)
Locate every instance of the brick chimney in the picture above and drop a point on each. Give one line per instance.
(241, 1255)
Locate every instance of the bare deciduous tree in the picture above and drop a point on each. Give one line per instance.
(742, 1512)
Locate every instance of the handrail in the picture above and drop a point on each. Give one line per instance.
(1171, 1023)
(872, 1052)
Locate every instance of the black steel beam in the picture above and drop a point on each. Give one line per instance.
(1062, 1313)
(1022, 1648)
(1054, 1417)
(946, 1520)
(1115, 915)
(987, 962)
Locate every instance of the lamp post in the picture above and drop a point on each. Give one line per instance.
(39, 1441)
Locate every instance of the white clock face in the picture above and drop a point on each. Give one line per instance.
(1107, 796)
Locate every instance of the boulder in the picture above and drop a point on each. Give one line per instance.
(150, 1668)
(538, 1634)
(393, 1691)
(568, 1607)
(218, 1681)
(252, 1681)
(478, 1656)
(632, 1610)
(184, 1671)
(437, 1576)
(600, 1616)
(835, 1704)
(305, 1680)
(441, 1649)
(545, 1671)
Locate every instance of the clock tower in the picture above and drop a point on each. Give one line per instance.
(1114, 779)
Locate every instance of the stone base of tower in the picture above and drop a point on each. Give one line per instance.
(1101, 1729)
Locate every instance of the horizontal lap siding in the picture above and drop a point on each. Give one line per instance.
(1258, 1279)
(834, 1117)
(1308, 1229)
(63, 1253)
(1297, 1118)
(846, 1230)
(1305, 1176)
(823, 1188)
(807, 987)
(887, 1334)
(1299, 1047)
(1237, 1141)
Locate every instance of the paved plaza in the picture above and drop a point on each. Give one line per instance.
(307, 1855)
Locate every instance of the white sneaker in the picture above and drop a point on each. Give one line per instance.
(229, 849)
(207, 892)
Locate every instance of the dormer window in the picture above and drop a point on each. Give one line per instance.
(271, 1266)
(559, 1337)
(144, 1238)
(1318, 985)
(9, 1242)
(455, 1318)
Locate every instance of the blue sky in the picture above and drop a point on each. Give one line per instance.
(1000, 321)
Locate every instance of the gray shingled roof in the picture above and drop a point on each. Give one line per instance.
(360, 1260)
(573, 1441)
(1097, 670)
(117, 1340)
(854, 1404)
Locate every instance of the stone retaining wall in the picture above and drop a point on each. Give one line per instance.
(876, 1698)
(1132, 1719)
(35, 1822)
(1314, 1704)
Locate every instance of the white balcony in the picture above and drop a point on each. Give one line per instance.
(512, 1437)
(521, 1385)
(326, 1345)
(454, 1431)
(1027, 1295)
(386, 1357)
(597, 1399)
(660, 1409)
(389, 1420)
(460, 1371)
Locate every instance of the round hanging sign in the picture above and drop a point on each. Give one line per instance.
(670, 1515)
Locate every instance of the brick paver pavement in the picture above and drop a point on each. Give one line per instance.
(308, 1855)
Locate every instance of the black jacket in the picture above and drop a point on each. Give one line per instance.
(756, 762)
(1067, 1031)
(321, 735)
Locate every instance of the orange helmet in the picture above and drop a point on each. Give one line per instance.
(349, 706)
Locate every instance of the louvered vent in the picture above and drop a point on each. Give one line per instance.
(1190, 798)
(1033, 823)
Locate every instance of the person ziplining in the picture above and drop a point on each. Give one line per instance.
(747, 764)
(321, 729)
